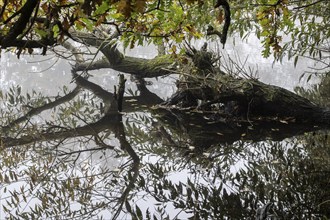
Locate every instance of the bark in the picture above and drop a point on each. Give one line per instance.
(253, 98)
(146, 68)
(114, 59)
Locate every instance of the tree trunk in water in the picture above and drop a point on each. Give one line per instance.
(252, 98)
(204, 86)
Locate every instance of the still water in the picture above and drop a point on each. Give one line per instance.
(80, 165)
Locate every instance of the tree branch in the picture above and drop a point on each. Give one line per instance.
(226, 7)
(117, 61)
(20, 24)
(308, 5)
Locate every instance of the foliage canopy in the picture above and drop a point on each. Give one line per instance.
(283, 26)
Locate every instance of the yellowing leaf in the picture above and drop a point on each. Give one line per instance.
(124, 7)
(220, 17)
(140, 5)
(66, 24)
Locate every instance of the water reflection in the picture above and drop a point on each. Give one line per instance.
(163, 168)
(65, 155)
(232, 181)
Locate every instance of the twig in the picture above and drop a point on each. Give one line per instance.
(308, 5)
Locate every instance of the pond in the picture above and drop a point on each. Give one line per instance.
(67, 160)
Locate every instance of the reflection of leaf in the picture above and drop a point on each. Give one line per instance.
(138, 212)
(295, 63)
(128, 206)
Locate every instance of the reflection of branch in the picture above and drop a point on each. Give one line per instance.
(37, 110)
(146, 98)
(121, 136)
(145, 94)
(107, 122)
(133, 172)
(106, 96)
(121, 91)
(85, 150)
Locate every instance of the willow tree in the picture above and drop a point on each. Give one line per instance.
(42, 24)
(41, 27)
(103, 24)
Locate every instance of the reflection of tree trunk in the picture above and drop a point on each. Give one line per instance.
(146, 98)
(216, 108)
(133, 172)
(121, 136)
(206, 128)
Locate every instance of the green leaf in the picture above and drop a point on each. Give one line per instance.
(41, 32)
(56, 30)
(102, 8)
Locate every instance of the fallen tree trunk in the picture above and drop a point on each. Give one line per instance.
(114, 59)
(225, 109)
(250, 98)
(204, 87)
